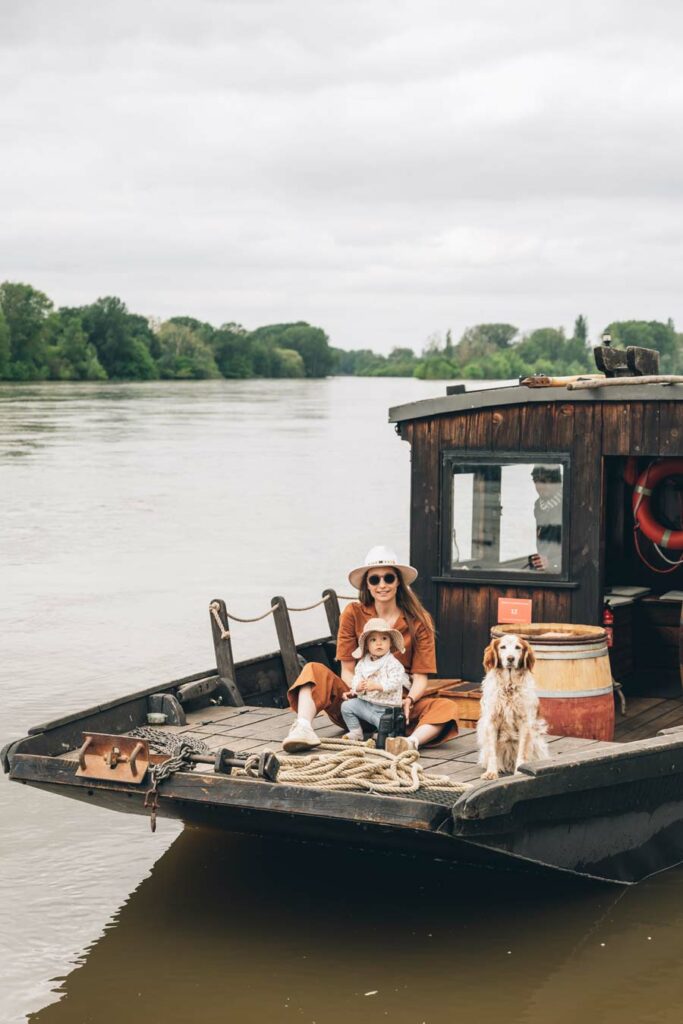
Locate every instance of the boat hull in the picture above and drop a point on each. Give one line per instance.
(617, 844)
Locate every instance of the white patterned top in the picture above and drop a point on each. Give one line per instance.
(389, 672)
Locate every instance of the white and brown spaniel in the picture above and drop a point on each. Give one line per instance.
(509, 731)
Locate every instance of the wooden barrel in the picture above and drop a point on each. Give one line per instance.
(573, 677)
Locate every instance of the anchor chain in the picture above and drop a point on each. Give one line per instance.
(179, 760)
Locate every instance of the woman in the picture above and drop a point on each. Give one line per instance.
(384, 592)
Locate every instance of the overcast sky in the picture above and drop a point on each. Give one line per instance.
(384, 169)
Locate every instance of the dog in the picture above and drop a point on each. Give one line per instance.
(509, 730)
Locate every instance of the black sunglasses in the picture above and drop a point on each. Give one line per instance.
(388, 577)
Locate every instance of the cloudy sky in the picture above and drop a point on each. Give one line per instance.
(383, 168)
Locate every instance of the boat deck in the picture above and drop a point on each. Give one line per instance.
(252, 730)
(645, 716)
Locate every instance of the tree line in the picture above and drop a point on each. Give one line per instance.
(105, 341)
(500, 352)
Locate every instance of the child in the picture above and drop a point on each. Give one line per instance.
(378, 679)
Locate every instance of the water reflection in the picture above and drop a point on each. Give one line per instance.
(231, 928)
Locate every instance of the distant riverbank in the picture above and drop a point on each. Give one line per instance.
(105, 341)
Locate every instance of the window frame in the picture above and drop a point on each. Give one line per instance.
(503, 574)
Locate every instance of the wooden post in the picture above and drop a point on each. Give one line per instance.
(332, 611)
(225, 663)
(285, 636)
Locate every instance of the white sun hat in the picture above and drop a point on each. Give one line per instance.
(381, 556)
(378, 626)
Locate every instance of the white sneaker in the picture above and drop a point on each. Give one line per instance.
(354, 734)
(302, 736)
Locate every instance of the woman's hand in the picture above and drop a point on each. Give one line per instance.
(407, 707)
(348, 694)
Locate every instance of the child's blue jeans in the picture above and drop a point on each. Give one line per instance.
(355, 711)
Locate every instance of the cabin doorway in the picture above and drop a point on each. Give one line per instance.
(643, 579)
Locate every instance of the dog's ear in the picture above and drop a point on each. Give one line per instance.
(528, 658)
(491, 656)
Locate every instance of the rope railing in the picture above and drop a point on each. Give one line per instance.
(309, 607)
(225, 632)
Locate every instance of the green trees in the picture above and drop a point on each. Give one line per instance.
(482, 341)
(651, 334)
(287, 362)
(232, 352)
(484, 352)
(121, 339)
(25, 310)
(311, 343)
(104, 340)
(183, 354)
(70, 356)
(5, 351)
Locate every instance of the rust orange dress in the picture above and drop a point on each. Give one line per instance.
(419, 656)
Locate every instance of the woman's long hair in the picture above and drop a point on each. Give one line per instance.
(406, 599)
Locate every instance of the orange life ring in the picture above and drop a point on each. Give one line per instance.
(642, 511)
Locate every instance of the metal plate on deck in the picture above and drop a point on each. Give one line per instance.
(115, 758)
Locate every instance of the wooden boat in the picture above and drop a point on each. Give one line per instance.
(607, 809)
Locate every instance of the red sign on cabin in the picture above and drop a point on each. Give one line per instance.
(514, 609)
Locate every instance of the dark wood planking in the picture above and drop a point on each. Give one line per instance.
(586, 526)
(616, 428)
(450, 598)
(274, 729)
(506, 425)
(425, 509)
(225, 662)
(637, 429)
(561, 436)
(332, 611)
(285, 636)
(227, 726)
(479, 430)
(646, 717)
(536, 428)
(670, 429)
(672, 718)
(643, 727)
(476, 630)
(456, 771)
(556, 605)
(650, 428)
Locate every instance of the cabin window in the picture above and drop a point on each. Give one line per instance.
(506, 515)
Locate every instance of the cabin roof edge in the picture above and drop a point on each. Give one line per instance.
(488, 398)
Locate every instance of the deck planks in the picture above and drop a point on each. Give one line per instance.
(258, 729)
(255, 729)
(645, 716)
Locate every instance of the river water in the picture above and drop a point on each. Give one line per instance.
(125, 509)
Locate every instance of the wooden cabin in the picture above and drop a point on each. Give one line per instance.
(472, 513)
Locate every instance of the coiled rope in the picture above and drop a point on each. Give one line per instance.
(349, 766)
(363, 768)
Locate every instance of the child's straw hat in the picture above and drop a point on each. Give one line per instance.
(379, 626)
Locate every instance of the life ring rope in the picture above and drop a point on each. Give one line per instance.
(644, 520)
